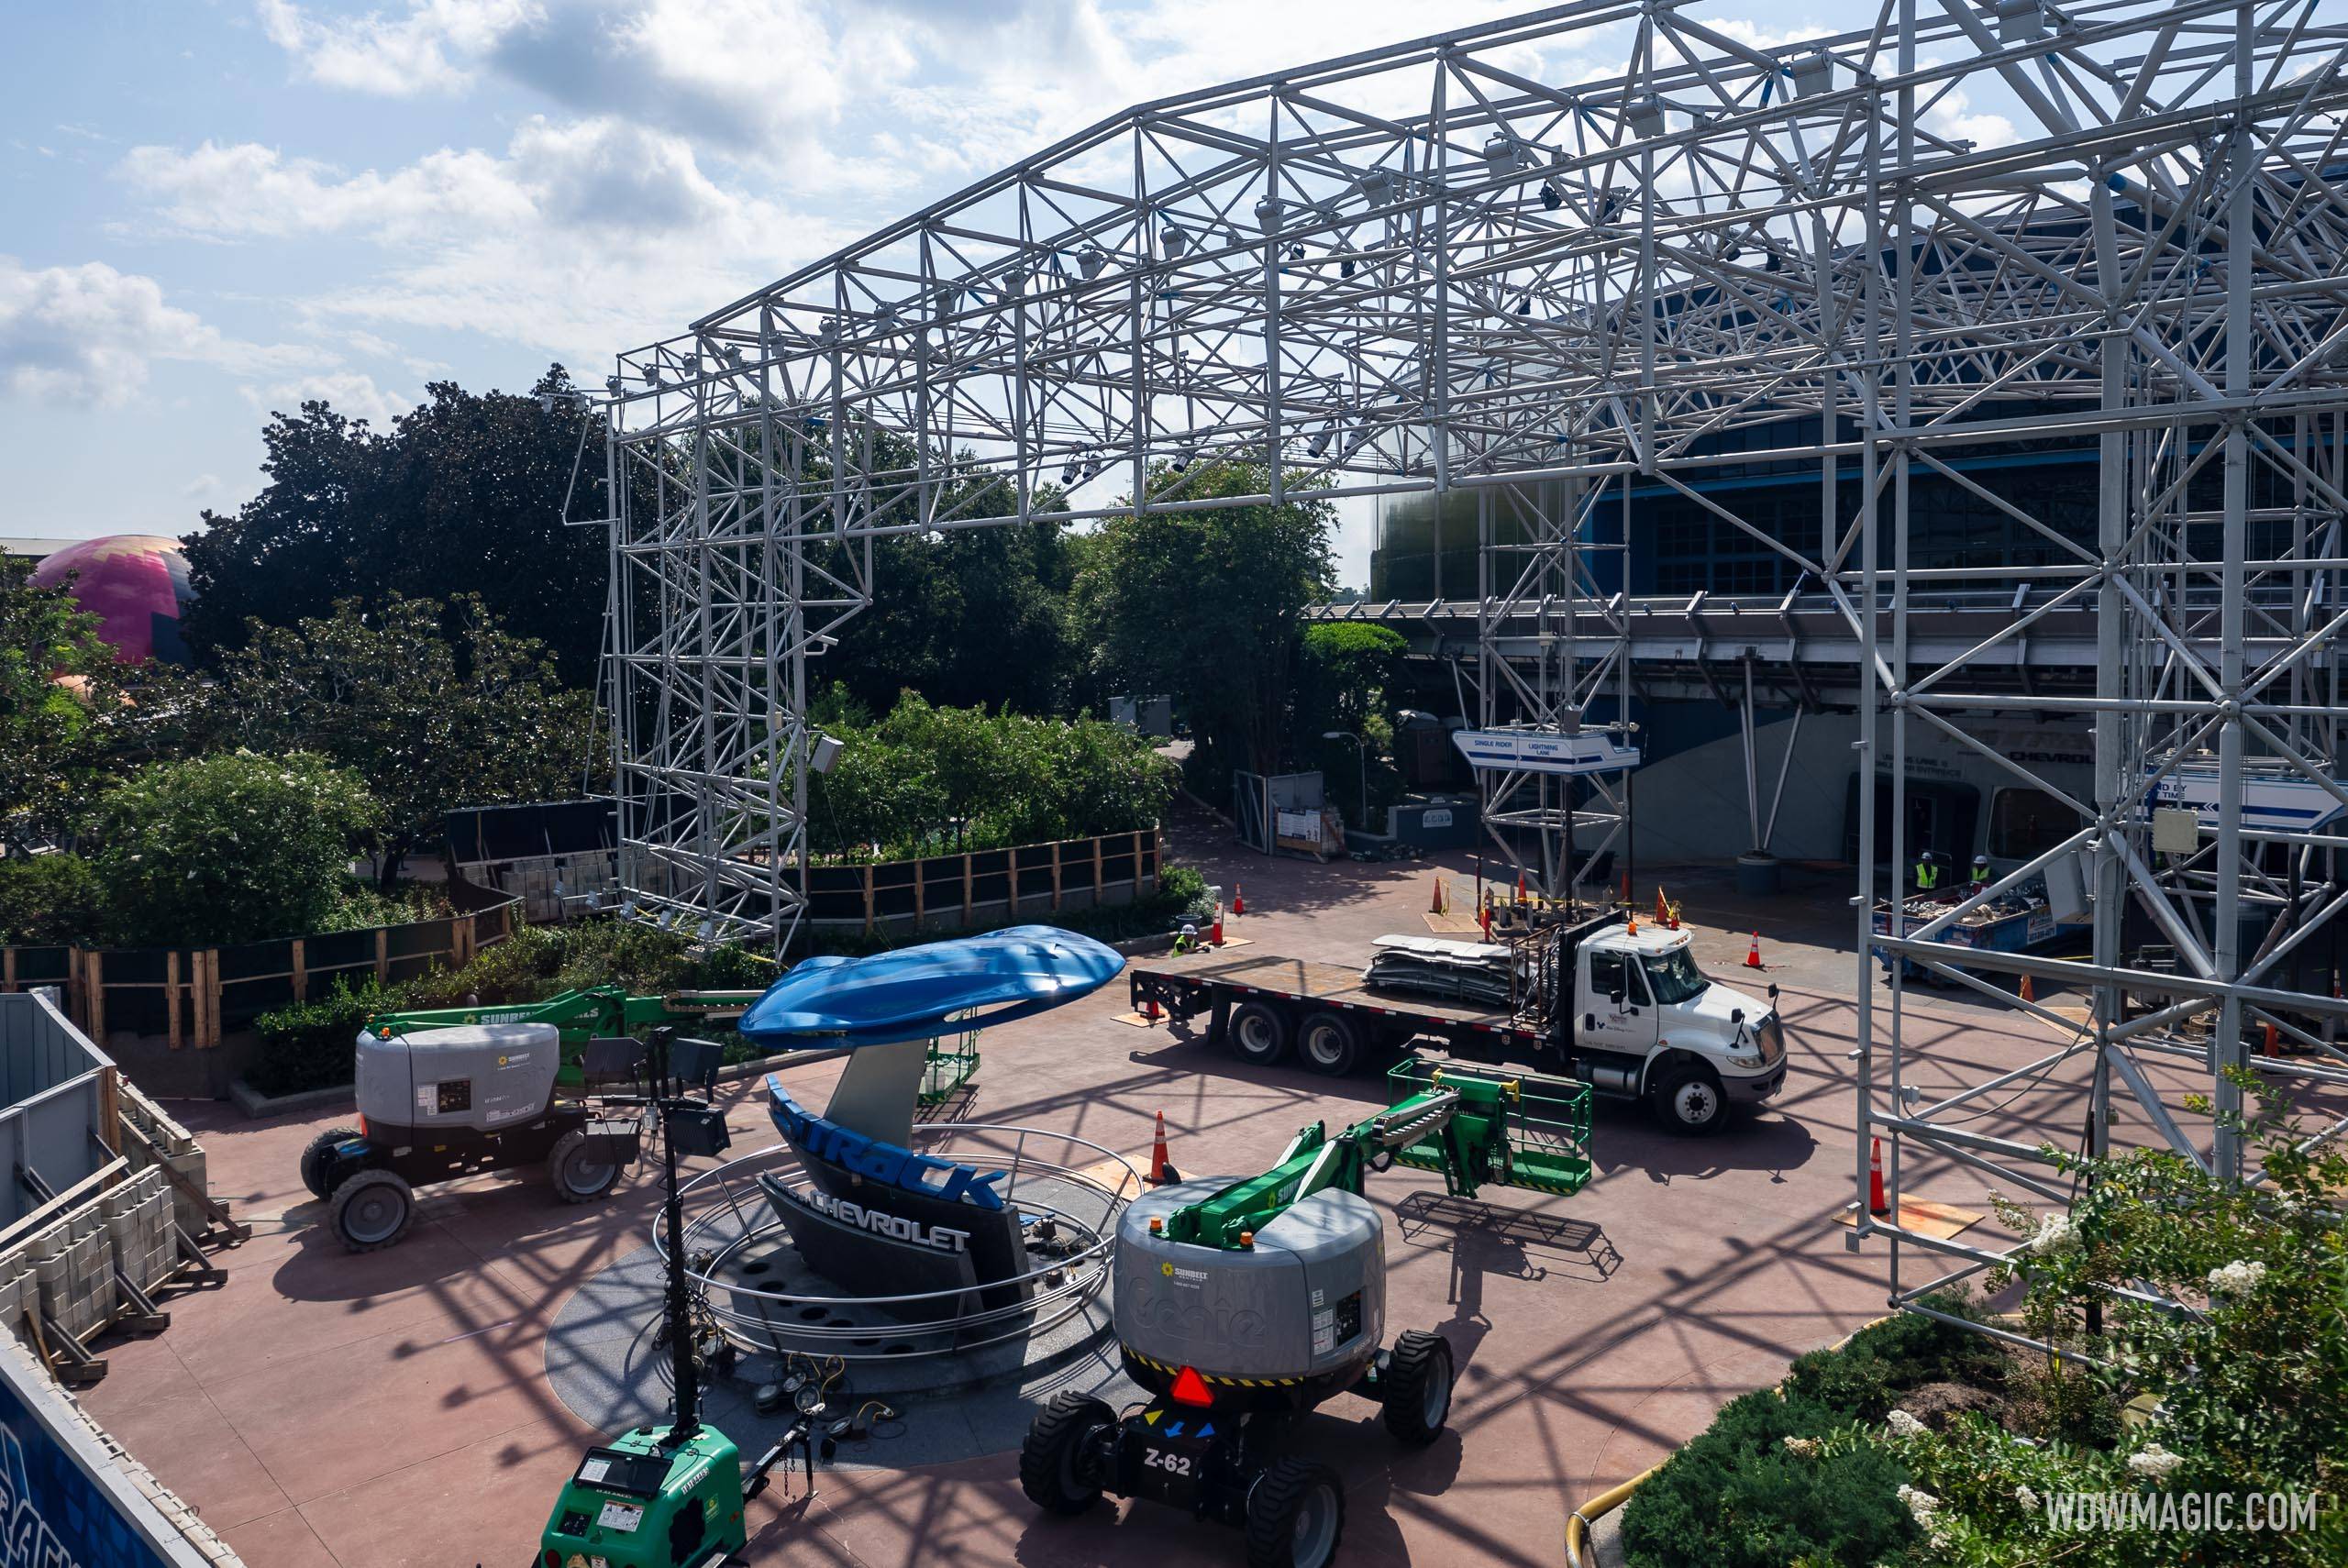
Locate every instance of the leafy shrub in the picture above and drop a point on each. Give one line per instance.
(310, 1045)
(1737, 1497)
(227, 848)
(1864, 1378)
(931, 779)
(2248, 1384)
(520, 968)
(49, 899)
(1182, 891)
(361, 906)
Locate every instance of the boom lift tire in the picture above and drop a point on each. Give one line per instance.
(1258, 1034)
(580, 1174)
(1328, 1042)
(372, 1210)
(1415, 1386)
(1690, 1101)
(316, 1157)
(1055, 1469)
(1296, 1514)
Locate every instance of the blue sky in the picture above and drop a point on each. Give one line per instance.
(212, 208)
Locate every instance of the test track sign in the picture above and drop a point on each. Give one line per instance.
(1545, 751)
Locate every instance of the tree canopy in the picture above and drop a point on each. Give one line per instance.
(433, 705)
(231, 848)
(464, 495)
(59, 687)
(1207, 607)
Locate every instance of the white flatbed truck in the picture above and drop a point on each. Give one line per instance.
(1626, 1011)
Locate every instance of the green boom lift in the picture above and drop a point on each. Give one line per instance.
(1241, 1304)
(590, 1013)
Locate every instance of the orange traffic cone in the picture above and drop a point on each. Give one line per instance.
(1520, 886)
(2029, 992)
(1238, 900)
(1875, 1205)
(1753, 954)
(1662, 915)
(2267, 1048)
(1435, 899)
(1149, 1009)
(1161, 1169)
(1215, 937)
(1484, 916)
(1626, 887)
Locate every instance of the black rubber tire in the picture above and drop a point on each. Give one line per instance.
(1690, 1101)
(1415, 1387)
(578, 1175)
(1258, 1034)
(1329, 1043)
(313, 1158)
(1052, 1471)
(362, 1222)
(1276, 1506)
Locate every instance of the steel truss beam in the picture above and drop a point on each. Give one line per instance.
(1467, 263)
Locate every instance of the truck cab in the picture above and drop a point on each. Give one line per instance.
(1645, 1022)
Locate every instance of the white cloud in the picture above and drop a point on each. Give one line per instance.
(87, 333)
(203, 487)
(581, 238)
(350, 392)
(430, 48)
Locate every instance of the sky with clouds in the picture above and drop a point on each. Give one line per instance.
(214, 208)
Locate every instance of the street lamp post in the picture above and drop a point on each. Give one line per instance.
(1361, 753)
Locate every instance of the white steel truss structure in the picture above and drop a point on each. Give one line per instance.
(1478, 262)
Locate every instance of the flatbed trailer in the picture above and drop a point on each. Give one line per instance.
(1616, 1006)
(1261, 1002)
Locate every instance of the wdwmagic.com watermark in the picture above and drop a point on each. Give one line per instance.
(2186, 1512)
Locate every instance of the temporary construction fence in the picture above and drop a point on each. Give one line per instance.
(986, 884)
(191, 995)
(105, 1196)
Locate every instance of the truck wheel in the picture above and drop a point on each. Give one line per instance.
(373, 1210)
(1055, 1463)
(1329, 1043)
(581, 1173)
(1258, 1034)
(1415, 1387)
(1690, 1100)
(1296, 1512)
(319, 1155)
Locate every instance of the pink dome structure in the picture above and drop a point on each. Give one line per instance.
(135, 584)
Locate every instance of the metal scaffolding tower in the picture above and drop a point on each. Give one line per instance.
(1473, 262)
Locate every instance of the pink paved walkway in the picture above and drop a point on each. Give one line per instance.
(392, 1411)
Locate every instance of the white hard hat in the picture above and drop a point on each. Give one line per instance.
(1980, 860)
(1190, 930)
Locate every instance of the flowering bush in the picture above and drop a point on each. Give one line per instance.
(2239, 1382)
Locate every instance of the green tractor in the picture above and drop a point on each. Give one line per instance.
(1241, 1304)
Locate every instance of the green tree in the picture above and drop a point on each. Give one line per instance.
(464, 495)
(430, 718)
(233, 847)
(60, 689)
(1207, 607)
(48, 899)
(969, 616)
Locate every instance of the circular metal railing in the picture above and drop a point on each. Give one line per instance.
(726, 1214)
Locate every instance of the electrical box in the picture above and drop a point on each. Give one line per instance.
(643, 1501)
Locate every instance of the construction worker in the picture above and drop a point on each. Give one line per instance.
(1928, 875)
(1187, 942)
(1980, 871)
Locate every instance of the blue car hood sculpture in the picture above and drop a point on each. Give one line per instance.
(912, 993)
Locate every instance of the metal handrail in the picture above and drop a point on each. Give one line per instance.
(1041, 1304)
